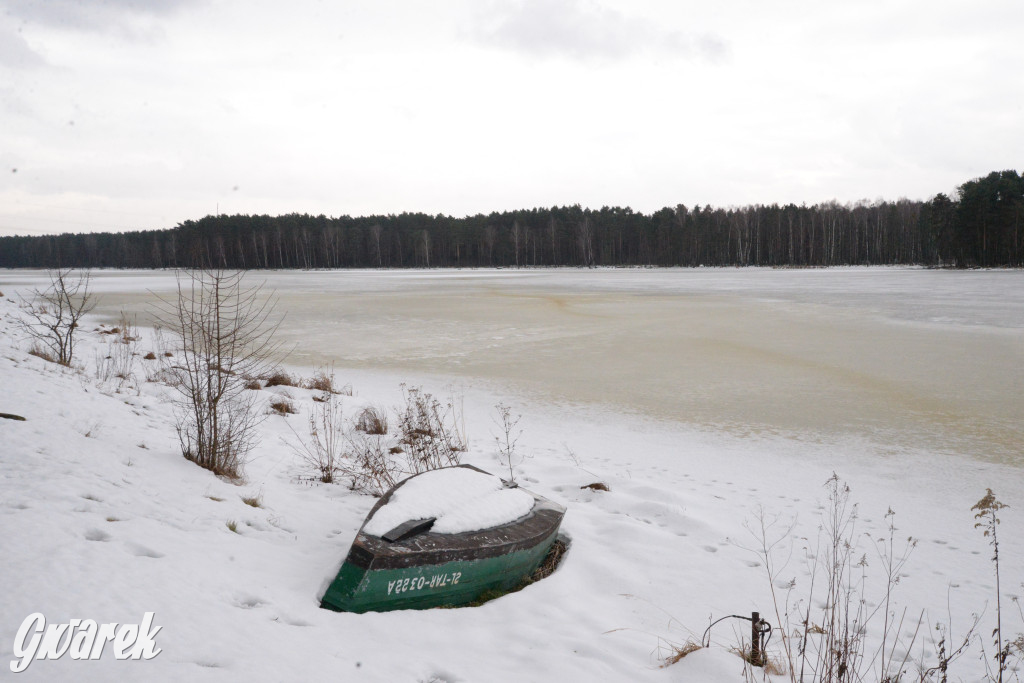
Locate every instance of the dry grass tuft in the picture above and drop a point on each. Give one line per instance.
(551, 561)
(321, 381)
(233, 525)
(149, 356)
(283, 405)
(678, 652)
(39, 352)
(253, 384)
(596, 486)
(772, 666)
(255, 500)
(281, 379)
(372, 420)
(546, 569)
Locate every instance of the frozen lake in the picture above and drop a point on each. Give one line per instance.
(902, 357)
(708, 401)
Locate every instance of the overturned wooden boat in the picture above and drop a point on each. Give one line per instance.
(444, 538)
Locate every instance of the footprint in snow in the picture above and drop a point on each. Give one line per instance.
(711, 549)
(142, 551)
(96, 535)
(248, 602)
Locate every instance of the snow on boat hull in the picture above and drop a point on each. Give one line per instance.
(433, 570)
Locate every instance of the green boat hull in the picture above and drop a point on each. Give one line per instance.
(425, 569)
(422, 587)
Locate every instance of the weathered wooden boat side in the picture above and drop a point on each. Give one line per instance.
(431, 569)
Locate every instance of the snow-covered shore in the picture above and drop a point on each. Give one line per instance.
(101, 518)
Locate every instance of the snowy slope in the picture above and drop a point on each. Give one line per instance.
(101, 518)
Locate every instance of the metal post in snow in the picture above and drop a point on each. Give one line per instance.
(755, 639)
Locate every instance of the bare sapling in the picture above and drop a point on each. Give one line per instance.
(325, 446)
(507, 438)
(53, 314)
(987, 513)
(224, 332)
(892, 560)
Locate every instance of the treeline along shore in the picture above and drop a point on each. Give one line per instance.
(981, 226)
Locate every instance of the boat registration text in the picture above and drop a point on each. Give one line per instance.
(415, 583)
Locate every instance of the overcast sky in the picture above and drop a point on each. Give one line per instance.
(140, 114)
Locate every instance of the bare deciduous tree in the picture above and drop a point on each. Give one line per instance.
(225, 335)
(54, 314)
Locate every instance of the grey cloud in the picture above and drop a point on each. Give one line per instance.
(76, 14)
(15, 51)
(584, 30)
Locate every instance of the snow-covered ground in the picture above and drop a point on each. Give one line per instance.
(101, 518)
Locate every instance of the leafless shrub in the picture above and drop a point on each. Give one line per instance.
(116, 362)
(372, 420)
(429, 431)
(224, 333)
(367, 455)
(372, 468)
(944, 655)
(126, 329)
(324, 448)
(53, 314)
(829, 644)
